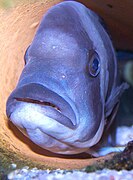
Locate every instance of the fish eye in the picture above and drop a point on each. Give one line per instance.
(94, 65)
(26, 56)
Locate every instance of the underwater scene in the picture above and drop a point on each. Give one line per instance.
(66, 92)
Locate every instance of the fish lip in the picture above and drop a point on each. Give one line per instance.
(48, 107)
(39, 94)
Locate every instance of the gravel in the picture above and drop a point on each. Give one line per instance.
(36, 174)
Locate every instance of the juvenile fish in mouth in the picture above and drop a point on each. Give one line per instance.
(68, 89)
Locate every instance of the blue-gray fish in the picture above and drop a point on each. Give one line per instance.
(68, 91)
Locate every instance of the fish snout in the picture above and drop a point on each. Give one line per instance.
(44, 103)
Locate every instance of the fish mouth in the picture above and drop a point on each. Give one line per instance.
(51, 104)
(28, 100)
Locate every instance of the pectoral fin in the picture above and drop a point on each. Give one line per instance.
(113, 99)
(107, 150)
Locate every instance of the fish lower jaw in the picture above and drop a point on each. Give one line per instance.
(29, 116)
(42, 130)
(33, 112)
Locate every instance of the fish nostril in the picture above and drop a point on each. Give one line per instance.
(28, 100)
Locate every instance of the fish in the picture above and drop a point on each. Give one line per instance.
(68, 93)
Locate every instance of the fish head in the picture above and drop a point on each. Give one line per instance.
(60, 97)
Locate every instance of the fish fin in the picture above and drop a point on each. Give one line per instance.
(111, 109)
(106, 150)
(110, 118)
(114, 98)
